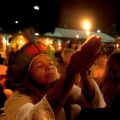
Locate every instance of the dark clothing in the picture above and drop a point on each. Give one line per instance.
(95, 114)
(2, 60)
(2, 97)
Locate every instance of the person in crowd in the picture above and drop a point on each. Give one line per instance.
(65, 56)
(111, 83)
(36, 84)
(2, 101)
(97, 70)
(59, 60)
(3, 70)
(110, 88)
(2, 97)
(11, 54)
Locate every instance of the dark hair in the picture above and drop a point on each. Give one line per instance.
(113, 58)
(2, 97)
(18, 67)
(110, 86)
(58, 55)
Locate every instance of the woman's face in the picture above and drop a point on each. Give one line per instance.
(42, 70)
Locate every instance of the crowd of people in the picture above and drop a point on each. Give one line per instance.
(36, 87)
(67, 90)
(36, 84)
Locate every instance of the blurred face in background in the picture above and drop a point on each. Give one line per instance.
(102, 61)
(66, 55)
(42, 70)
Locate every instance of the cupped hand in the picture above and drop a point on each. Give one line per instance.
(85, 56)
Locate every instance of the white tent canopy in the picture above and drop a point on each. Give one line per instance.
(71, 33)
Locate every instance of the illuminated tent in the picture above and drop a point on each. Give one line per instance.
(71, 33)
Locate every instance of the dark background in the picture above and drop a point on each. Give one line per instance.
(103, 14)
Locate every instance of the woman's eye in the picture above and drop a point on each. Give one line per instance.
(40, 65)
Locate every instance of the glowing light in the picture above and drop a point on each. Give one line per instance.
(98, 31)
(59, 44)
(36, 7)
(77, 36)
(117, 45)
(16, 22)
(86, 25)
(36, 34)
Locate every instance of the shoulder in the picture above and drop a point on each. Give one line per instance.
(75, 89)
(75, 92)
(16, 96)
(15, 101)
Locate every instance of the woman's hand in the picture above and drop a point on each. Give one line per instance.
(84, 57)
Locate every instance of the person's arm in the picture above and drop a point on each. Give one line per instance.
(79, 63)
(88, 88)
(88, 53)
(58, 95)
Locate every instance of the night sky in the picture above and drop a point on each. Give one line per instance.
(102, 13)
